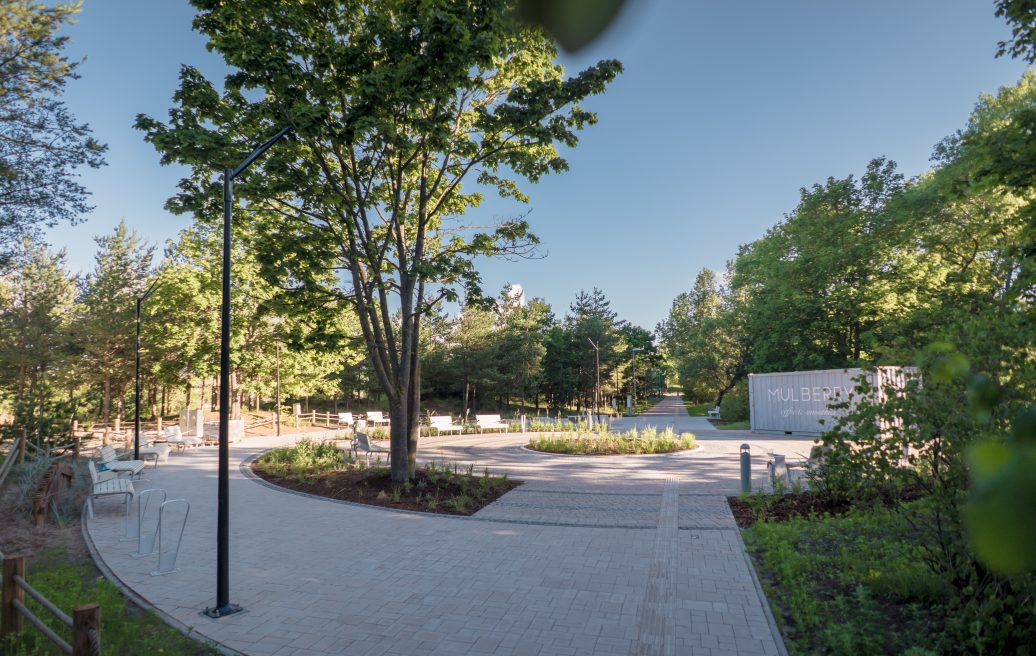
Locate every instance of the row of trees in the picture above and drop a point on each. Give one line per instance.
(869, 270)
(68, 342)
(520, 353)
(68, 347)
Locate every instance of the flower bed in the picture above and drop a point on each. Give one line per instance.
(605, 443)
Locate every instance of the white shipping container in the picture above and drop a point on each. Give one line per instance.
(798, 402)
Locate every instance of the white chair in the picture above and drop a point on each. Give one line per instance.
(444, 424)
(345, 419)
(490, 422)
(362, 443)
(175, 437)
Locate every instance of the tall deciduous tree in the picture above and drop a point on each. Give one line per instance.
(394, 104)
(41, 145)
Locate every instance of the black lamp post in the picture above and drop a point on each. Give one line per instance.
(223, 606)
(136, 415)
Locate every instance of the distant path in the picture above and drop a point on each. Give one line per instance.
(670, 411)
(592, 555)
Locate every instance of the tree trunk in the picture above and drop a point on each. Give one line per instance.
(106, 402)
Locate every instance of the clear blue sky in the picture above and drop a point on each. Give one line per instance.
(724, 111)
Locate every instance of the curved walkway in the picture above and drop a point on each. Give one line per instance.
(592, 555)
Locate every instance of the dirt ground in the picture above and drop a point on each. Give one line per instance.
(19, 536)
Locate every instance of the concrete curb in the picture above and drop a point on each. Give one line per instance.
(774, 629)
(143, 603)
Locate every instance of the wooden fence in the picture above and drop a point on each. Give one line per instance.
(17, 452)
(85, 621)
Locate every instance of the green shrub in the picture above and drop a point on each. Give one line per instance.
(734, 406)
(647, 440)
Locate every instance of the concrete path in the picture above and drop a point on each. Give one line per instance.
(592, 555)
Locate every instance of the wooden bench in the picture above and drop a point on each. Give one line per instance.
(490, 422)
(714, 413)
(105, 484)
(444, 424)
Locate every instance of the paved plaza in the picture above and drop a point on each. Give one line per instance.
(592, 555)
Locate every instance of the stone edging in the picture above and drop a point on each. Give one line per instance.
(144, 604)
(778, 639)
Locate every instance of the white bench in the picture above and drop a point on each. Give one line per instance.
(490, 422)
(346, 419)
(105, 484)
(444, 424)
(376, 418)
(714, 413)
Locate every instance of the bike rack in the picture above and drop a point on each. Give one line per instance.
(167, 558)
(146, 539)
(133, 524)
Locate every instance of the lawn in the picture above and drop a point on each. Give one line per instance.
(849, 584)
(744, 424)
(70, 581)
(698, 409)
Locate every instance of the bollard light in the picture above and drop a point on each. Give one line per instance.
(746, 469)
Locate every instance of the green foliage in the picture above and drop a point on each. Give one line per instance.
(305, 458)
(125, 629)
(734, 406)
(41, 145)
(384, 136)
(850, 585)
(634, 441)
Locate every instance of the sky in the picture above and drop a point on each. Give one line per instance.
(724, 111)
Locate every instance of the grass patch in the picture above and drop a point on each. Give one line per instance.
(851, 584)
(698, 409)
(648, 440)
(125, 629)
(744, 424)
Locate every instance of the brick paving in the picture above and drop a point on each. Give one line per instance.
(592, 555)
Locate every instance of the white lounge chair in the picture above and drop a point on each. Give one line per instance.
(174, 437)
(490, 422)
(107, 483)
(346, 419)
(444, 424)
(111, 460)
(376, 418)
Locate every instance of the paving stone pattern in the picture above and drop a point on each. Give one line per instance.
(602, 555)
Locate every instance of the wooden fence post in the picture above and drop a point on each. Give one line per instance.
(21, 447)
(84, 620)
(10, 618)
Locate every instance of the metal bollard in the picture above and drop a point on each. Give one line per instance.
(746, 470)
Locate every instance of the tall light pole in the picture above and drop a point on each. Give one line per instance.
(136, 414)
(635, 349)
(597, 389)
(223, 606)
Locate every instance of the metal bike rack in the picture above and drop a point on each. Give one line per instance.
(167, 557)
(133, 523)
(146, 538)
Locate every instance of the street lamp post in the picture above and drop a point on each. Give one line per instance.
(597, 389)
(223, 606)
(136, 413)
(635, 349)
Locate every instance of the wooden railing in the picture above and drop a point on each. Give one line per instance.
(85, 621)
(17, 452)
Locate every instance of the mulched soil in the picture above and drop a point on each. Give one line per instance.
(367, 485)
(787, 507)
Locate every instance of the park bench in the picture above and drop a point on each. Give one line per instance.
(110, 459)
(362, 443)
(490, 422)
(107, 483)
(346, 419)
(376, 418)
(444, 424)
(714, 413)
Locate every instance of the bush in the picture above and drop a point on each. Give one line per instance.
(734, 406)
